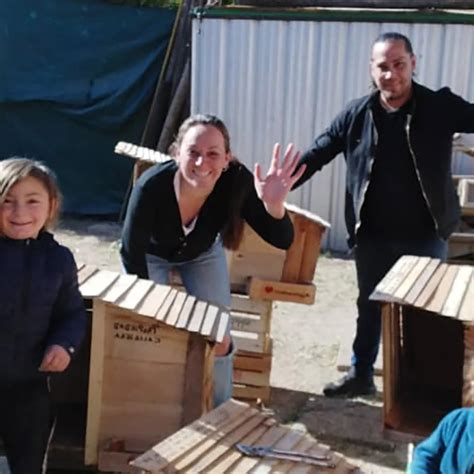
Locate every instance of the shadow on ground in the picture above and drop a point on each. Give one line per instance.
(353, 427)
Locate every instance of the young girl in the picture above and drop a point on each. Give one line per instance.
(42, 316)
(181, 211)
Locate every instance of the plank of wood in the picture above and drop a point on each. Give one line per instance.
(248, 392)
(468, 367)
(193, 390)
(466, 312)
(460, 286)
(312, 248)
(232, 456)
(209, 320)
(412, 277)
(249, 341)
(94, 403)
(197, 317)
(389, 284)
(246, 322)
(244, 304)
(222, 326)
(186, 312)
(98, 283)
(286, 443)
(269, 438)
(422, 281)
(119, 288)
(427, 293)
(172, 448)
(153, 301)
(255, 363)
(135, 296)
(166, 305)
(281, 291)
(443, 289)
(256, 379)
(227, 443)
(198, 451)
(175, 309)
(307, 215)
(85, 273)
(294, 255)
(315, 449)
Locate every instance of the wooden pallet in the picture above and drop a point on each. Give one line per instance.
(208, 446)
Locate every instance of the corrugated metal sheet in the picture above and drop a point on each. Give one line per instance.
(286, 80)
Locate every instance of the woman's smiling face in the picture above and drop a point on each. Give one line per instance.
(202, 157)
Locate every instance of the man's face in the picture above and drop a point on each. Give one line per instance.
(391, 68)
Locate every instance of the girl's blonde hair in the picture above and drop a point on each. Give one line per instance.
(13, 170)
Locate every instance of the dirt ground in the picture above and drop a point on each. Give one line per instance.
(308, 343)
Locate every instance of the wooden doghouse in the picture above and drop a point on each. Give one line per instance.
(151, 367)
(208, 446)
(428, 342)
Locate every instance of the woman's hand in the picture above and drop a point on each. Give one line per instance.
(275, 186)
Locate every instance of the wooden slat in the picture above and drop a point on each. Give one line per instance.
(153, 300)
(164, 308)
(292, 265)
(431, 286)
(98, 283)
(198, 315)
(312, 247)
(119, 288)
(411, 278)
(286, 443)
(85, 273)
(422, 281)
(136, 294)
(458, 290)
(209, 320)
(198, 451)
(268, 439)
(222, 326)
(186, 312)
(232, 456)
(172, 448)
(281, 291)
(175, 309)
(389, 284)
(466, 312)
(442, 291)
(227, 443)
(94, 406)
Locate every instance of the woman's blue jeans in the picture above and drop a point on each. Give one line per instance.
(373, 259)
(206, 277)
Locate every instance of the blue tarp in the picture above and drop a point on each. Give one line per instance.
(75, 78)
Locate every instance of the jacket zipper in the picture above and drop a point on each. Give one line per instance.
(412, 153)
(371, 164)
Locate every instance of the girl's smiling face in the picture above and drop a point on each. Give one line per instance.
(25, 209)
(202, 157)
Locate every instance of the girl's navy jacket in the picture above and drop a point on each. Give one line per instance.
(40, 305)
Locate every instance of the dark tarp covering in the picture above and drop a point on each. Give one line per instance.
(76, 77)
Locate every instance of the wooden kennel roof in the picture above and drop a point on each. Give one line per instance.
(430, 284)
(163, 303)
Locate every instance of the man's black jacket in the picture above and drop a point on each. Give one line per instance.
(433, 119)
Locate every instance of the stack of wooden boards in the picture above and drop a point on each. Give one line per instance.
(428, 342)
(152, 358)
(259, 274)
(208, 446)
(461, 243)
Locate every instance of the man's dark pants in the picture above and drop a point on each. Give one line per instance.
(373, 259)
(26, 422)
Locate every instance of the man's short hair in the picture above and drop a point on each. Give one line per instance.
(394, 36)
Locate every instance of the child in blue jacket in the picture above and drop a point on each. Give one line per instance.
(450, 448)
(42, 315)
